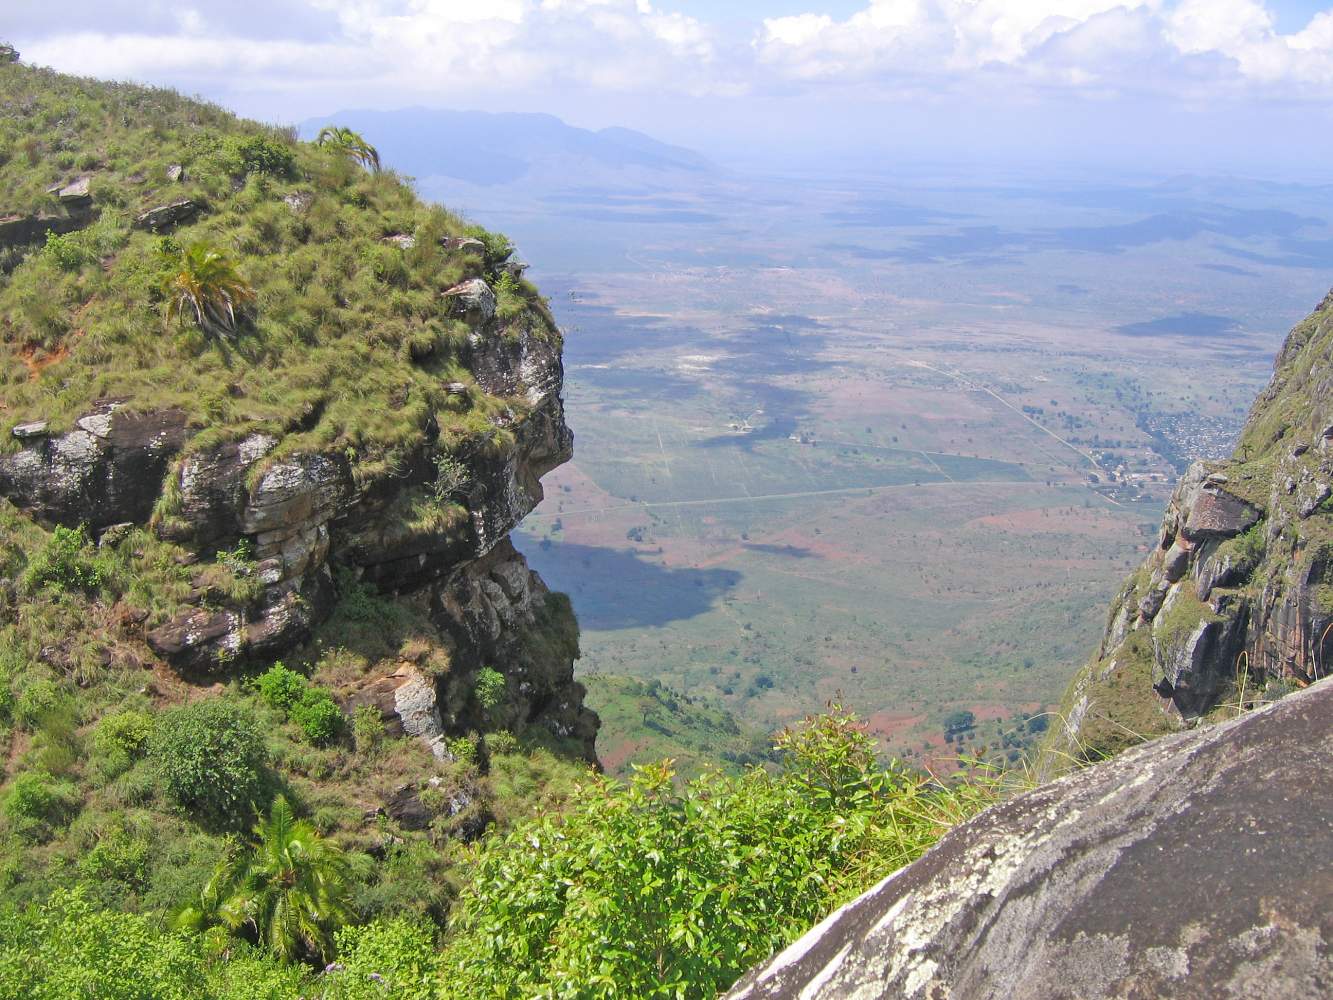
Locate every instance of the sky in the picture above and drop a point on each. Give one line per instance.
(1185, 84)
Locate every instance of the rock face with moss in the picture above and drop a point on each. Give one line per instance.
(382, 414)
(1235, 604)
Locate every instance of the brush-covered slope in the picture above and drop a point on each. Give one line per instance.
(1235, 604)
(329, 479)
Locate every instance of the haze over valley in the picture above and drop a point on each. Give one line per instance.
(888, 438)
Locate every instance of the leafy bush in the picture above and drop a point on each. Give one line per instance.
(118, 857)
(66, 251)
(211, 759)
(66, 948)
(119, 740)
(389, 958)
(37, 803)
(281, 688)
(318, 715)
(656, 890)
(66, 561)
(490, 689)
(501, 742)
(367, 729)
(39, 700)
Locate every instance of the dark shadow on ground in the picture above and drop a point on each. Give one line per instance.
(620, 588)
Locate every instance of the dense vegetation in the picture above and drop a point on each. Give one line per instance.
(645, 889)
(264, 835)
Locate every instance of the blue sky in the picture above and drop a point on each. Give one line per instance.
(1188, 83)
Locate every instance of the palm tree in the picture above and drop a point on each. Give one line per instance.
(351, 145)
(291, 892)
(207, 288)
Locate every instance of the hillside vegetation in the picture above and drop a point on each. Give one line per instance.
(261, 821)
(345, 344)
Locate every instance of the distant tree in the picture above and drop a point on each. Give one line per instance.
(204, 285)
(350, 144)
(8, 54)
(292, 890)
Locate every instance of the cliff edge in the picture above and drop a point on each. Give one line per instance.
(1234, 607)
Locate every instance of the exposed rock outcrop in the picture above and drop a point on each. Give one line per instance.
(1196, 866)
(304, 512)
(1236, 601)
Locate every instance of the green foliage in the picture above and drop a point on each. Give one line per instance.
(290, 890)
(958, 721)
(205, 286)
(498, 247)
(211, 759)
(39, 701)
(262, 155)
(451, 479)
(367, 730)
(318, 716)
(654, 890)
(462, 748)
(490, 688)
(66, 251)
(501, 742)
(37, 803)
(281, 688)
(351, 145)
(66, 949)
(119, 857)
(66, 561)
(119, 740)
(391, 958)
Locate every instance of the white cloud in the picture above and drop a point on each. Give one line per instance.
(1080, 43)
(441, 51)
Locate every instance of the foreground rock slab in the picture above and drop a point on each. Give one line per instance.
(1200, 865)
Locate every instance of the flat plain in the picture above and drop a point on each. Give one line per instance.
(892, 443)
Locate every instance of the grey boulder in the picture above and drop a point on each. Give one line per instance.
(1199, 865)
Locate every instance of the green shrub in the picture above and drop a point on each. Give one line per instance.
(387, 958)
(318, 716)
(462, 748)
(37, 803)
(211, 759)
(490, 688)
(65, 251)
(501, 742)
(367, 729)
(281, 688)
(118, 857)
(658, 890)
(39, 700)
(66, 949)
(119, 740)
(66, 561)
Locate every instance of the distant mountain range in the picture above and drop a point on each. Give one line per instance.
(487, 149)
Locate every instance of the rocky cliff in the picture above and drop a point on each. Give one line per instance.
(1235, 604)
(382, 417)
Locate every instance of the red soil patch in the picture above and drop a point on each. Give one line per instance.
(620, 754)
(37, 360)
(891, 725)
(1041, 521)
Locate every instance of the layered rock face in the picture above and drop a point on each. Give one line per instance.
(1235, 604)
(305, 513)
(1195, 866)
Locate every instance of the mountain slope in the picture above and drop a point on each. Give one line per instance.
(1235, 604)
(487, 148)
(330, 478)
